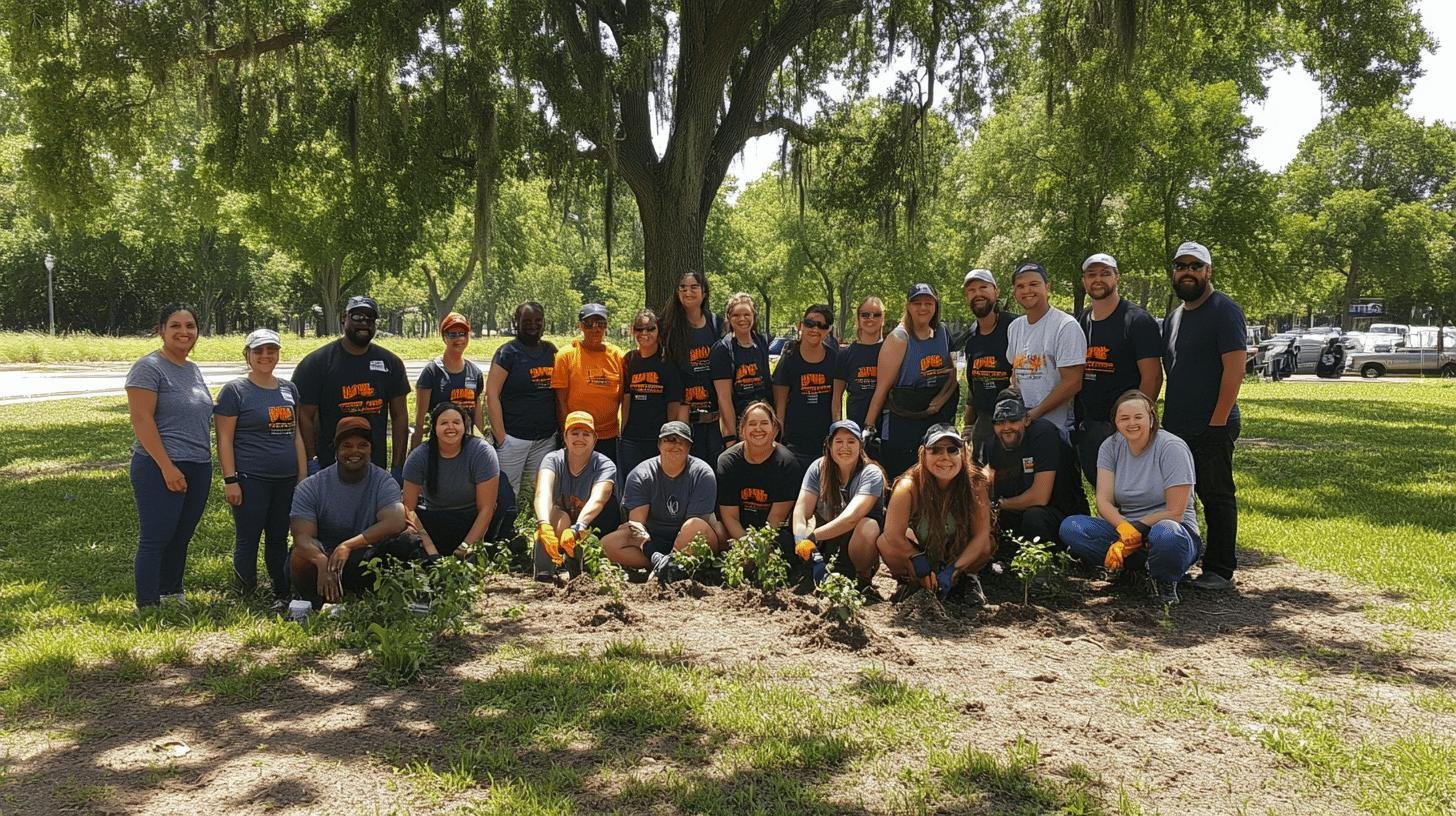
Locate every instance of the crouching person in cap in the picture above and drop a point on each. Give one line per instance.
(346, 514)
(574, 492)
(1034, 477)
(938, 523)
(669, 500)
(841, 510)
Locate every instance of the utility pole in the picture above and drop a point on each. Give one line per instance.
(50, 265)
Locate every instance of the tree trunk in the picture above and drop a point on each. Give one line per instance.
(673, 238)
(329, 291)
(1352, 287)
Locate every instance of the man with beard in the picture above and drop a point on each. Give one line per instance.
(1124, 351)
(354, 378)
(988, 371)
(1203, 353)
(1047, 351)
(519, 400)
(1033, 472)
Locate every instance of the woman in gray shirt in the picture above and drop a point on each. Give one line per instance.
(171, 460)
(1144, 500)
(453, 493)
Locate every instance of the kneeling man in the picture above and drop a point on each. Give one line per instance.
(346, 514)
(669, 500)
(1034, 475)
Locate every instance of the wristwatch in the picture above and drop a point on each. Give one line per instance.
(230, 480)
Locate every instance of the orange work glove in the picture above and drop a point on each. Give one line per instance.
(546, 534)
(568, 541)
(1128, 542)
(805, 549)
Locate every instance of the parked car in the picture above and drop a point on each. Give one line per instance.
(1308, 345)
(1417, 361)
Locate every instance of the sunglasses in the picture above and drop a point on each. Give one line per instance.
(944, 450)
(1179, 266)
(644, 328)
(456, 335)
(814, 324)
(360, 317)
(594, 323)
(871, 315)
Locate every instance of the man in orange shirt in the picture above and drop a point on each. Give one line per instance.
(588, 377)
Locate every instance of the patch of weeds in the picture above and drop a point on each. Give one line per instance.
(83, 797)
(982, 781)
(1393, 645)
(609, 576)
(515, 612)
(239, 678)
(1437, 701)
(1433, 615)
(410, 608)
(755, 559)
(435, 785)
(1165, 693)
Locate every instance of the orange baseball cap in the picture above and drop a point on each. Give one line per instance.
(581, 419)
(454, 319)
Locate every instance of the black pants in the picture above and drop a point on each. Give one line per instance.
(707, 444)
(1213, 470)
(448, 528)
(607, 448)
(1043, 522)
(263, 513)
(404, 548)
(1089, 442)
(633, 452)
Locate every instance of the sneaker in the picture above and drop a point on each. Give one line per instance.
(177, 598)
(279, 607)
(970, 585)
(664, 570)
(904, 591)
(871, 595)
(1212, 582)
(333, 610)
(300, 611)
(1164, 592)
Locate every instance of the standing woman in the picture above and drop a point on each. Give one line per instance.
(261, 454)
(739, 365)
(453, 494)
(915, 384)
(938, 523)
(652, 393)
(449, 377)
(171, 460)
(856, 366)
(689, 330)
(802, 385)
(519, 398)
(841, 509)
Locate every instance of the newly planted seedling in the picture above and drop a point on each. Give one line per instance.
(1036, 559)
(755, 559)
(695, 557)
(596, 565)
(844, 597)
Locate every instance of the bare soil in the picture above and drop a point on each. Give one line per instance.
(1058, 672)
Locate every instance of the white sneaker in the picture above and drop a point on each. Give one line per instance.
(177, 598)
(299, 611)
(333, 610)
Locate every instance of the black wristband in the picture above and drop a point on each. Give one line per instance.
(228, 480)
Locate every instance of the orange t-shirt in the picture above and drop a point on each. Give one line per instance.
(592, 382)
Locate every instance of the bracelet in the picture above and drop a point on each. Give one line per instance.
(230, 480)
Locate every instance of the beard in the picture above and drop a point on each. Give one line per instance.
(1102, 292)
(1189, 292)
(983, 309)
(360, 336)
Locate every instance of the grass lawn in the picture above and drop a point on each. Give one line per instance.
(1355, 479)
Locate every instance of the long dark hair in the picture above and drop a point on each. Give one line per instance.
(432, 468)
(171, 309)
(957, 501)
(673, 330)
(831, 490)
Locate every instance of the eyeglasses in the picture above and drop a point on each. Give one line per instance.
(689, 287)
(456, 335)
(644, 328)
(1179, 266)
(871, 315)
(360, 317)
(814, 324)
(944, 450)
(594, 323)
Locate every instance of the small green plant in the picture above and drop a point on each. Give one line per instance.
(1036, 559)
(695, 557)
(844, 597)
(755, 559)
(595, 564)
(400, 652)
(495, 557)
(409, 608)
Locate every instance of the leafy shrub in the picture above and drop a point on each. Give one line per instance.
(409, 608)
(755, 559)
(695, 557)
(596, 565)
(844, 597)
(1036, 558)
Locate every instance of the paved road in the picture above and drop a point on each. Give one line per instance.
(42, 383)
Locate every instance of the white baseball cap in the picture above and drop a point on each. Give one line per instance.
(980, 275)
(262, 337)
(1100, 257)
(1195, 249)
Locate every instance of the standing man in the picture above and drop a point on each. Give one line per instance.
(1124, 351)
(1203, 353)
(1047, 352)
(988, 370)
(354, 378)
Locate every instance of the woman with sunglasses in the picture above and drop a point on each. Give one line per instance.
(588, 377)
(449, 377)
(739, 364)
(938, 522)
(841, 510)
(916, 385)
(688, 331)
(803, 383)
(454, 496)
(855, 367)
(652, 394)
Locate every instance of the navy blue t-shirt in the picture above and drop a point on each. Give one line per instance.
(807, 411)
(988, 371)
(344, 384)
(746, 368)
(697, 379)
(857, 368)
(528, 405)
(1194, 364)
(1114, 347)
(462, 388)
(651, 383)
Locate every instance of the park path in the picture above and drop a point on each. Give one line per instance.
(28, 383)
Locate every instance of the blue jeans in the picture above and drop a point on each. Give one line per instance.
(1170, 550)
(264, 512)
(167, 521)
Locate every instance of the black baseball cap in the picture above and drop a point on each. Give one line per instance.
(1030, 266)
(1009, 409)
(592, 310)
(362, 303)
(920, 289)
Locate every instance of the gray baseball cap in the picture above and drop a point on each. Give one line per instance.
(262, 337)
(675, 428)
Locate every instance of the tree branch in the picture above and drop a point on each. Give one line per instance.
(777, 122)
(247, 49)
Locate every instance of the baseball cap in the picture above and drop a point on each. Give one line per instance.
(261, 337)
(980, 275)
(454, 319)
(1195, 249)
(362, 302)
(581, 419)
(1030, 266)
(920, 289)
(592, 310)
(1099, 257)
(844, 425)
(358, 426)
(675, 428)
(940, 431)
(1008, 409)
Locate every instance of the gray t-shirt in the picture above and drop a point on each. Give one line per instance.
(1142, 481)
(454, 486)
(343, 510)
(184, 406)
(267, 419)
(670, 502)
(870, 481)
(573, 490)
(1037, 350)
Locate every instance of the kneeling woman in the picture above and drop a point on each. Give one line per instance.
(669, 501)
(758, 478)
(453, 491)
(1144, 497)
(841, 509)
(938, 523)
(573, 493)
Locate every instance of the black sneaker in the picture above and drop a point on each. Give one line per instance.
(871, 595)
(664, 570)
(1164, 592)
(969, 588)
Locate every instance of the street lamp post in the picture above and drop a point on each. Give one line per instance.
(50, 263)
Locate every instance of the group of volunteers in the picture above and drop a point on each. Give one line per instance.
(849, 451)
